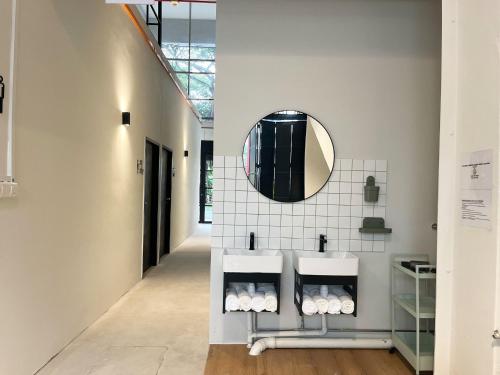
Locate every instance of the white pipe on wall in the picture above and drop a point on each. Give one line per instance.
(317, 343)
(287, 333)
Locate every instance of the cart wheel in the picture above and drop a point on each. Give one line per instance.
(392, 350)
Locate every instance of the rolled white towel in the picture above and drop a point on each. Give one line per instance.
(347, 304)
(244, 298)
(334, 304)
(271, 301)
(232, 302)
(308, 305)
(321, 303)
(258, 302)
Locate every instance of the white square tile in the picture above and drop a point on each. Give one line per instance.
(345, 176)
(297, 244)
(367, 211)
(218, 173)
(332, 233)
(275, 220)
(240, 231)
(356, 223)
(298, 232)
(355, 235)
(275, 209)
(379, 246)
(241, 196)
(286, 243)
(219, 184)
(309, 244)
(381, 165)
(298, 209)
(357, 211)
(310, 201)
(334, 187)
(216, 241)
(229, 185)
(217, 207)
(252, 219)
(253, 208)
(344, 210)
(322, 210)
(230, 161)
(229, 196)
(309, 221)
(274, 243)
(321, 198)
(252, 196)
(382, 200)
(240, 219)
(356, 200)
(367, 236)
(229, 207)
(320, 231)
(345, 188)
(367, 246)
(264, 199)
(357, 165)
(344, 234)
(217, 230)
(357, 176)
(229, 219)
(383, 188)
(309, 233)
(369, 165)
(333, 245)
(239, 242)
(333, 210)
(263, 231)
(240, 174)
(251, 229)
(263, 220)
(286, 232)
(310, 209)
(298, 221)
(242, 185)
(355, 245)
(380, 177)
(333, 198)
(263, 243)
(286, 220)
(345, 222)
(228, 230)
(379, 212)
(344, 245)
(287, 209)
(335, 175)
(357, 187)
(218, 196)
(333, 222)
(263, 208)
(218, 161)
(321, 221)
(228, 241)
(345, 199)
(346, 164)
(274, 231)
(217, 219)
(230, 173)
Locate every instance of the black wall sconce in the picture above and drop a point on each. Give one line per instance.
(126, 118)
(186, 153)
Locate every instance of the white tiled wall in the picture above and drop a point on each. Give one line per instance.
(337, 210)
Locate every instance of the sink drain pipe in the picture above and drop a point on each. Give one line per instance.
(305, 338)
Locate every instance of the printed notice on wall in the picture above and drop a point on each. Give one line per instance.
(476, 189)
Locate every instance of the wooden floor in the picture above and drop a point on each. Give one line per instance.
(234, 360)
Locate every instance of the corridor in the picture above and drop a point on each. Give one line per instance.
(160, 327)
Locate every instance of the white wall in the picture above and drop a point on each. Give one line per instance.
(369, 71)
(467, 257)
(71, 242)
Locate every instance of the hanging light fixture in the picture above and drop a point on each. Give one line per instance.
(174, 2)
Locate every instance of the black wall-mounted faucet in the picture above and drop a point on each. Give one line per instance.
(322, 241)
(252, 241)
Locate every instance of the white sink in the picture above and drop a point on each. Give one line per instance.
(329, 263)
(252, 261)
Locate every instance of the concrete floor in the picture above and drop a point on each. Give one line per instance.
(146, 333)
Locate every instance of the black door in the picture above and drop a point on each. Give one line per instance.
(152, 164)
(206, 181)
(166, 200)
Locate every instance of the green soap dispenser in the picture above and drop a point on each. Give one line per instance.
(371, 191)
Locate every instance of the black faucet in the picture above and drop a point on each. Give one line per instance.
(322, 241)
(252, 241)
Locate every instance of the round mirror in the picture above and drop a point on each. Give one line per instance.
(288, 156)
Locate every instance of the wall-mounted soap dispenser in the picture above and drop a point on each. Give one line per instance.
(371, 191)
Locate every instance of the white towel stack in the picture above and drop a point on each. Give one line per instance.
(270, 296)
(232, 300)
(347, 304)
(308, 305)
(245, 297)
(334, 304)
